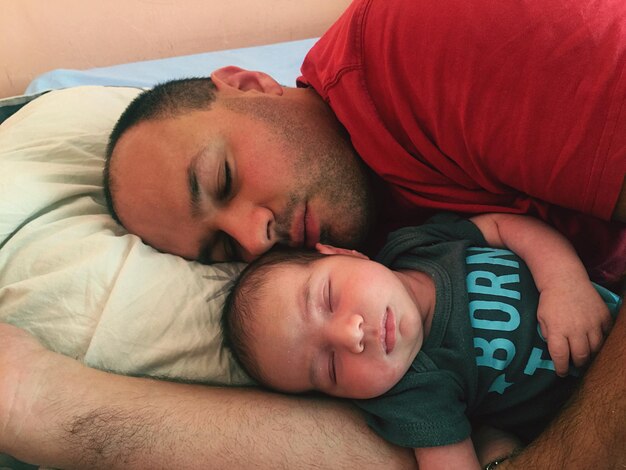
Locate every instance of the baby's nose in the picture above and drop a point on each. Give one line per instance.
(351, 333)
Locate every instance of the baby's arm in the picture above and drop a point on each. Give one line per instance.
(572, 316)
(453, 456)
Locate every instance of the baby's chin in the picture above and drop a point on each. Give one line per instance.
(380, 388)
(367, 394)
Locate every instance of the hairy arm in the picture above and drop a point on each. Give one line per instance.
(591, 430)
(56, 412)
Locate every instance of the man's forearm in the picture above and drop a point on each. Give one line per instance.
(225, 428)
(591, 430)
(65, 415)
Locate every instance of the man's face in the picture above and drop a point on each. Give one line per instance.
(341, 325)
(225, 184)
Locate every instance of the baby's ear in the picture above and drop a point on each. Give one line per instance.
(333, 250)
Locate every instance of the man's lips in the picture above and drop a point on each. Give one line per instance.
(305, 229)
(388, 333)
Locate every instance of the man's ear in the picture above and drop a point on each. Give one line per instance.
(232, 78)
(333, 250)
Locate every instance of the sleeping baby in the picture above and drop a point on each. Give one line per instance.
(458, 322)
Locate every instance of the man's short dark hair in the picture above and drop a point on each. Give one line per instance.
(239, 308)
(165, 100)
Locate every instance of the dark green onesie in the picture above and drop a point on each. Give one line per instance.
(484, 358)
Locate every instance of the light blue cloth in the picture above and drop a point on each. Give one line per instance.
(282, 61)
(613, 301)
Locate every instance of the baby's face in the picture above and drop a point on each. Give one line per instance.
(341, 325)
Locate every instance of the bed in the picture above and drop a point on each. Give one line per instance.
(68, 273)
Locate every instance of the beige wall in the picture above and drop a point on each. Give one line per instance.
(40, 35)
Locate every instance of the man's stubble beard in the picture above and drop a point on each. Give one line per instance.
(346, 191)
(332, 184)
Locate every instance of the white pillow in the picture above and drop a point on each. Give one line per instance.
(78, 281)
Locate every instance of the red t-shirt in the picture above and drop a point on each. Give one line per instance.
(488, 106)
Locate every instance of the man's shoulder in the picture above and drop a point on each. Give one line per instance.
(336, 51)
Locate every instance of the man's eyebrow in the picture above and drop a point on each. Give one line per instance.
(193, 186)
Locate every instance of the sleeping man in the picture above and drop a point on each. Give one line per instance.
(404, 107)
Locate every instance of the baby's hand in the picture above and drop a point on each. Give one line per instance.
(574, 321)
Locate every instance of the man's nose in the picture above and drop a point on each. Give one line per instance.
(251, 228)
(347, 332)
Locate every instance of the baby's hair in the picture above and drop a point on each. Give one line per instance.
(238, 312)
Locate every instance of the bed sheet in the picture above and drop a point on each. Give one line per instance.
(281, 60)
